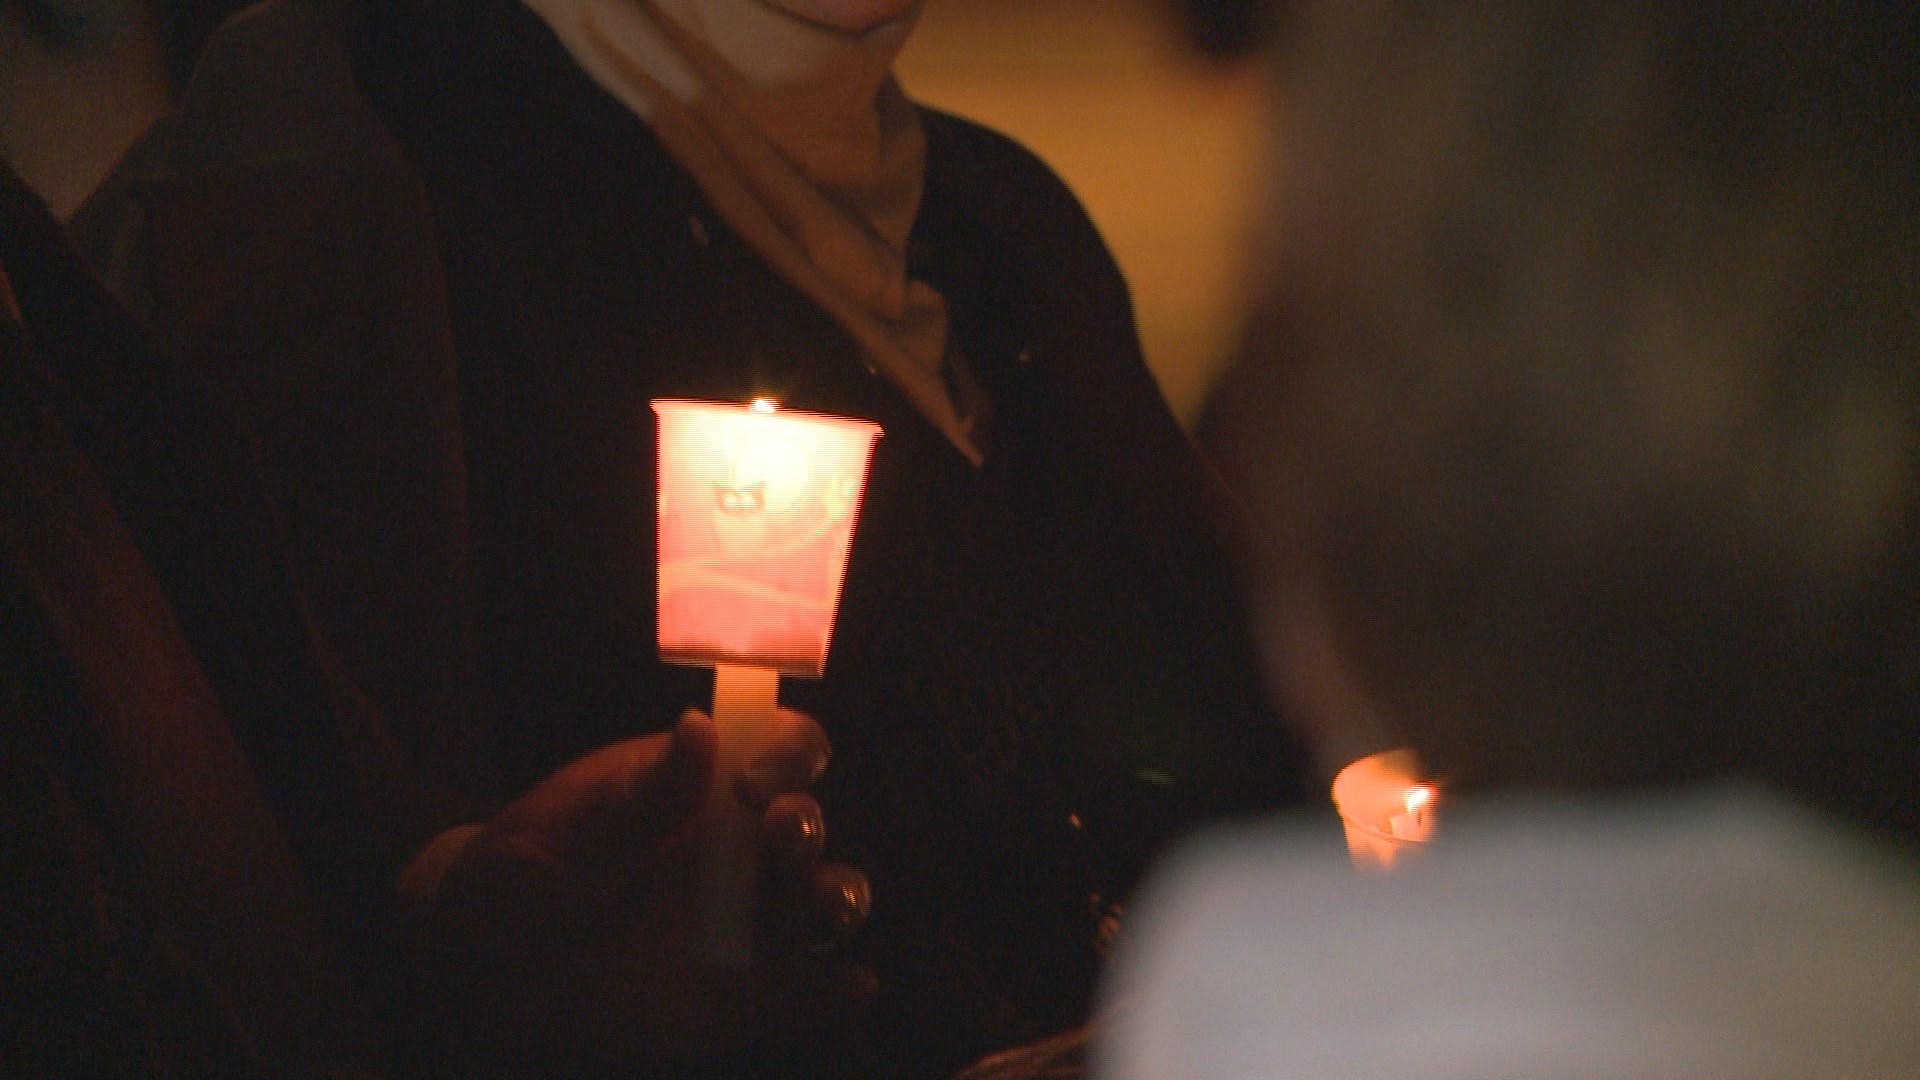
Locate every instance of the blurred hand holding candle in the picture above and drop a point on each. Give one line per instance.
(756, 518)
(1385, 807)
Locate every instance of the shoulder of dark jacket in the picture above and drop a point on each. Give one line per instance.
(275, 79)
(272, 94)
(1022, 200)
(1089, 349)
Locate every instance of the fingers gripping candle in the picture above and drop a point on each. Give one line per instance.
(756, 518)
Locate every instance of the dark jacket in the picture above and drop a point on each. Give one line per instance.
(198, 814)
(446, 273)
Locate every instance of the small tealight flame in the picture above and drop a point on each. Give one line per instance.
(763, 405)
(1419, 797)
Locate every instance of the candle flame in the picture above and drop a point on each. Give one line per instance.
(1419, 798)
(763, 405)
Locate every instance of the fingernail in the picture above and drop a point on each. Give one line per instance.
(849, 897)
(794, 823)
(843, 898)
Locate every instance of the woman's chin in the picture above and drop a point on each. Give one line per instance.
(853, 16)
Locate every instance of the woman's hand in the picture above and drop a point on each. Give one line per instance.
(563, 933)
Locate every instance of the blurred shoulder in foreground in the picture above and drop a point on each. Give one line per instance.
(1580, 403)
(1723, 934)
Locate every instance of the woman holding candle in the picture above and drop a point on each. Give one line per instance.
(203, 827)
(449, 266)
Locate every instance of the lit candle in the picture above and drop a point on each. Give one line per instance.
(1385, 808)
(757, 510)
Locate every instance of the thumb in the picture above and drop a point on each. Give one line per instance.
(663, 798)
(620, 801)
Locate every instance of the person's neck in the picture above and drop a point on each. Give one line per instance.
(65, 122)
(813, 91)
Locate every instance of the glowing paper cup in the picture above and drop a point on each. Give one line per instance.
(757, 509)
(1387, 810)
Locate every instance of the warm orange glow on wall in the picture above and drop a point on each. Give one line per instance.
(757, 508)
(1386, 808)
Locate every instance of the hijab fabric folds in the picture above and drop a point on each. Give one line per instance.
(804, 144)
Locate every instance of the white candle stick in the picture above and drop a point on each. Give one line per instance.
(757, 509)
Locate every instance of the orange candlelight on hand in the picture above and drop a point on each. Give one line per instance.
(757, 509)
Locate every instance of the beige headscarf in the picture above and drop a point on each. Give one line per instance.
(804, 144)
